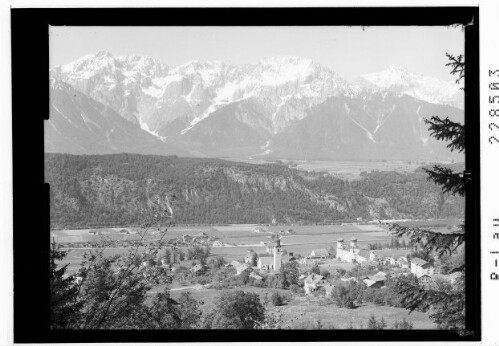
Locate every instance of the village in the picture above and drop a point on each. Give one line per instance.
(347, 280)
(320, 270)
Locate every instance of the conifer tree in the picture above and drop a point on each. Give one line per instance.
(64, 303)
(446, 305)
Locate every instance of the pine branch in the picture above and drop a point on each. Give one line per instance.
(447, 130)
(451, 182)
(416, 296)
(457, 64)
(441, 243)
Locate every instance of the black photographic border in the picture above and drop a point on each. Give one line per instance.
(30, 96)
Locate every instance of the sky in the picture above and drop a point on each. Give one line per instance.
(349, 51)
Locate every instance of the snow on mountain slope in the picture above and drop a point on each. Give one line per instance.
(148, 93)
(425, 88)
(266, 108)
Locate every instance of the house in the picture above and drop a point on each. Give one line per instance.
(255, 276)
(186, 237)
(375, 280)
(319, 254)
(420, 267)
(199, 269)
(432, 281)
(313, 282)
(350, 279)
(240, 267)
(217, 243)
(388, 255)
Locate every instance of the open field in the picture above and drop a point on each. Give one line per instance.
(312, 309)
(242, 237)
(304, 309)
(352, 169)
(341, 169)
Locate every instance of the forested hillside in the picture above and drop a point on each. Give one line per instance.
(128, 189)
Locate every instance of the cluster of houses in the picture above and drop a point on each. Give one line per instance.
(422, 269)
(200, 238)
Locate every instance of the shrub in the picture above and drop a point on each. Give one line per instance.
(276, 299)
(325, 273)
(404, 324)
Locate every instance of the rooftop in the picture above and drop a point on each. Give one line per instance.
(314, 278)
(418, 261)
(266, 260)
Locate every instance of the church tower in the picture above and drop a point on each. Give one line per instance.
(339, 248)
(353, 243)
(277, 255)
(353, 246)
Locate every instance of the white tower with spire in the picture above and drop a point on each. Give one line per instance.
(277, 254)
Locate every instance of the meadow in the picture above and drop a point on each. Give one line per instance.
(304, 309)
(342, 169)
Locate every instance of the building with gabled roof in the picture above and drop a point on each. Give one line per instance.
(198, 269)
(420, 267)
(319, 254)
(313, 282)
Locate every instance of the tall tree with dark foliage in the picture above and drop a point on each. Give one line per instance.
(445, 303)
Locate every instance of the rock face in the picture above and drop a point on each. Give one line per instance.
(267, 108)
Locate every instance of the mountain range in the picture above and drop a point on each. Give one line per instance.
(278, 108)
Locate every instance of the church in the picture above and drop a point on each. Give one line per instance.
(353, 255)
(272, 263)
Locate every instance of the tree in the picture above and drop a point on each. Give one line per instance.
(64, 303)
(315, 269)
(446, 305)
(254, 259)
(276, 299)
(190, 314)
(288, 274)
(236, 310)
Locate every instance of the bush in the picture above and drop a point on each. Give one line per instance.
(343, 297)
(315, 269)
(404, 325)
(325, 273)
(276, 299)
(374, 324)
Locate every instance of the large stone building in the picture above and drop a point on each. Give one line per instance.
(274, 262)
(354, 254)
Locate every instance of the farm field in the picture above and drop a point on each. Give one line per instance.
(342, 169)
(352, 169)
(242, 237)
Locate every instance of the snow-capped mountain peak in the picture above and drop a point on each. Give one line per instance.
(280, 89)
(429, 89)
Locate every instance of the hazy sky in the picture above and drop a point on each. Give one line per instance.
(349, 51)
